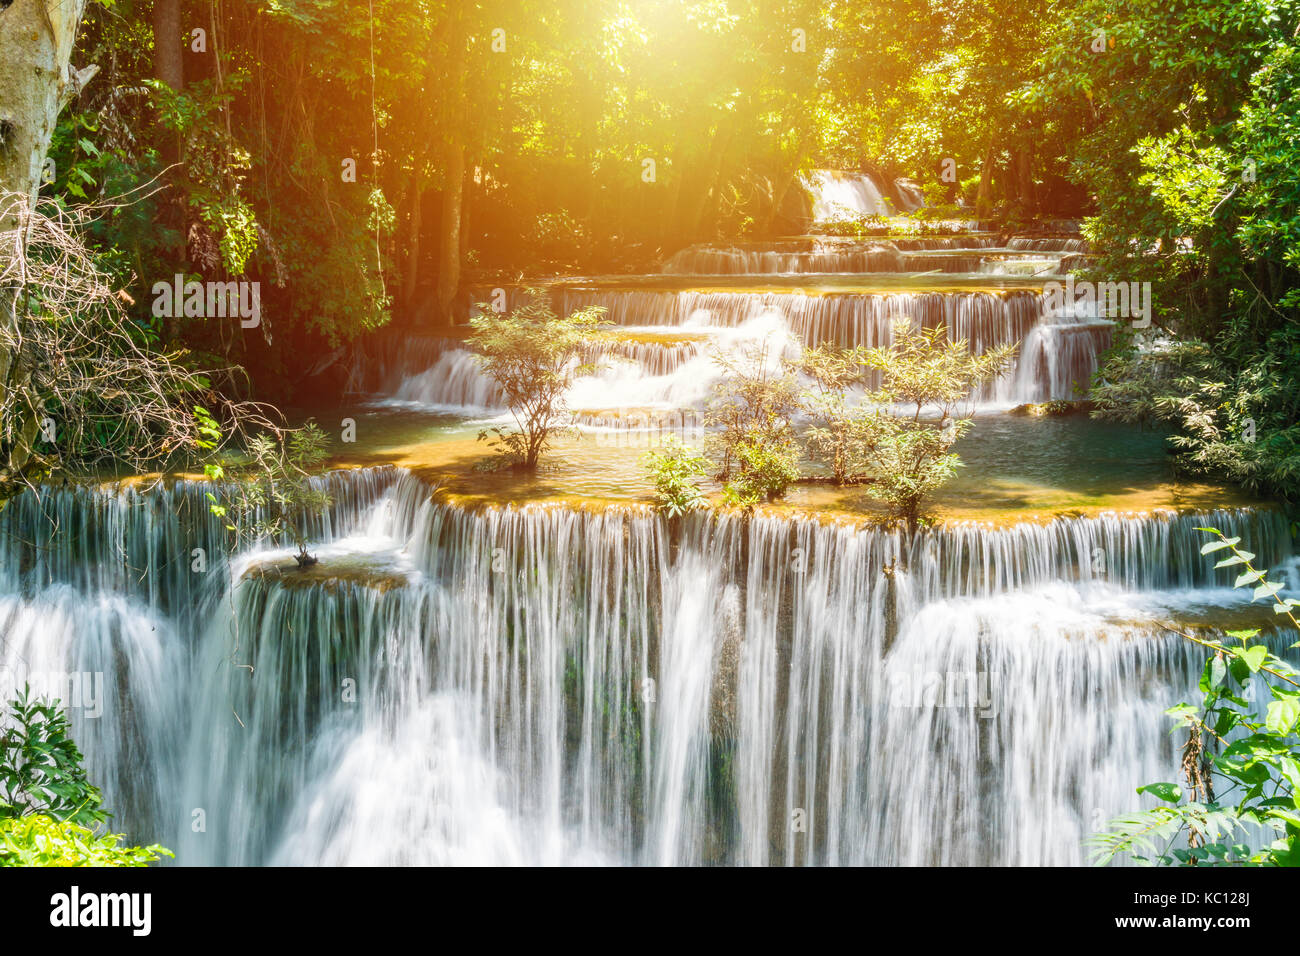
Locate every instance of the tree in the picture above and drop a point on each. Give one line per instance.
(922, 370)
(842, 437)
(36, 41)
(95, 389)
(534, 356)
(752, 407)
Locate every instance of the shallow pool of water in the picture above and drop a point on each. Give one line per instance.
(1013, 467)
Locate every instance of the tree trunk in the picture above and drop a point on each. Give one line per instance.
(466, 198)
(1025, 179)
(36, 41)
(168, 52)
(700, 186)
(984, 195)
(412, 280)
(449, 227)
(787, 182)
(169, 68)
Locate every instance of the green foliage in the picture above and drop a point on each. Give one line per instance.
(1190, 149)
(1230, 421)
(855, 226)
(904, 458)
(1254, 758)
(923, 370)
(912, 459)
(842, 437)
(751, 410)
(277, 492)
(675, 470)
(765, 470)
(533, 355)
(40, 840)
(49, 811)
(40, 765)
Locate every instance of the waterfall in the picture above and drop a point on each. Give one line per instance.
(985, 319)
(840, 195)
(543, 685)
(646, 364)
(1049, 244)
(816, 256)
(453, 382)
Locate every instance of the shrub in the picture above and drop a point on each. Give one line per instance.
(1258, 758)
(48, 808)
(1231, 422)
(675, 470)
(766, 471)
(843, 438)
(752, 407)
(40, 765)
(280, 494)
(40, 840)
(922, 370)
(533, 355)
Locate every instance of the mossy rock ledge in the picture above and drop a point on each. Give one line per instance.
(368, 571)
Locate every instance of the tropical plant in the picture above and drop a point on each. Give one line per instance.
(534, 356)
(923, 371)
(49, 811)
(766, 470)
(40, 766)
(41, 840)
(1241, 767)
(676, 470)
(751, 410)
(842, 437)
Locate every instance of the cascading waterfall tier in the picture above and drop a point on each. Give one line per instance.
(830, 256)
(554, 686)
(984, 319)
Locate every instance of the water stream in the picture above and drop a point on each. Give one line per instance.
(558, 685)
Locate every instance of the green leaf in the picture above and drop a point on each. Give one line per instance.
(1282, 715)
(1267, 590)
(1215, 671)
(1254, 656)
(1168, 792)
(1213, 546)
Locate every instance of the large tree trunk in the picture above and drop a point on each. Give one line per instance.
(984, 195)
(36, 41)
(449, 227)
(168, 52)
(412, 281)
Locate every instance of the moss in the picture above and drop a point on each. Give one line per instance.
(1052, 409)
(362, 570)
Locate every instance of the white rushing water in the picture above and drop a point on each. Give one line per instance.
(1057, 357)
(553, 687)
(661, 357)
